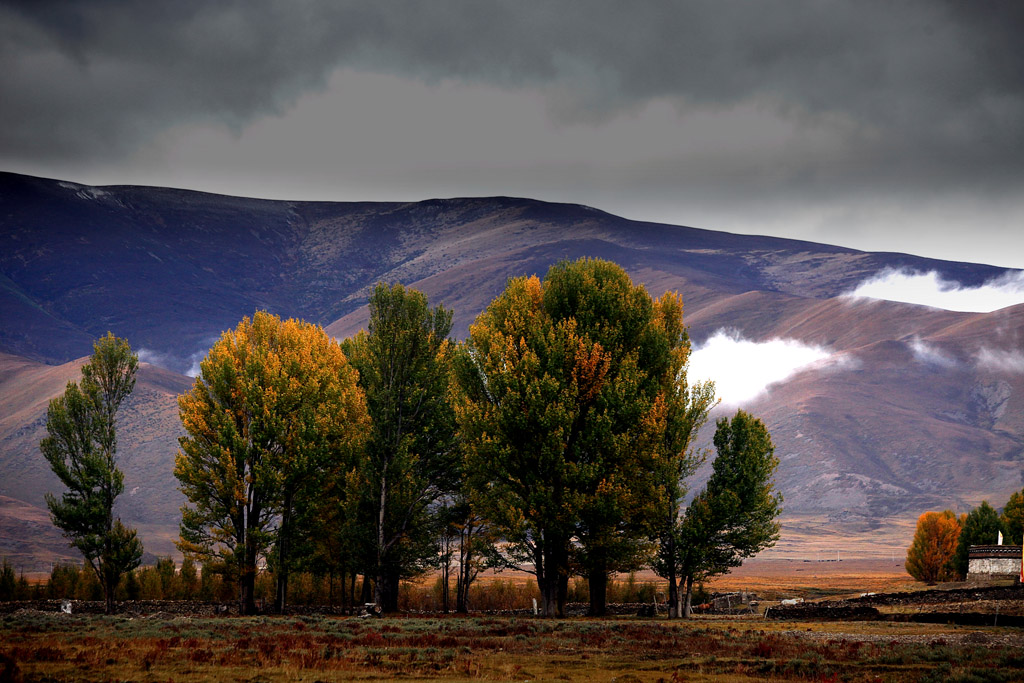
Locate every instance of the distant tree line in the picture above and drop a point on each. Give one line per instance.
(942, 541)
(556, 439)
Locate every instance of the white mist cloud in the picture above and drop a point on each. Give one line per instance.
(742, 369)
(153, 357)
(929, 289)
(1000, 361)
(188, 366)
(929, 354)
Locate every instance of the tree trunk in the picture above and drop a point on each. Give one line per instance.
(247, 590)
(687, 607)
(597, 578)
(247, 576)
(368, 589)
(462, 582)
(108, 594)
(563, 588)
(391, 596)
(385, 592)
(379, 589)
(674, 602)
(548, 596)
(675, 599)
(282, 591)
(103, 562)
(446, 570)
(553, 579)
(283, 549)
(462, 596)
(465, 576)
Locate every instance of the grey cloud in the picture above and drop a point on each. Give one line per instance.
(933, 91)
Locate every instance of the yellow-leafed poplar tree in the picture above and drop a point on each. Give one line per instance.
(275, 410)
(931, 552)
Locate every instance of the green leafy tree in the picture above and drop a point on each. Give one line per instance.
(168, 578)
(1013, 518)
(981, 527)
(734, 517)
(409, 459)
(131, 586)
(8, 582)
(275, 405)
(620, 422)
(189, 579)
(563, 386)
(685, 411)
(930, 555)
(81, 447)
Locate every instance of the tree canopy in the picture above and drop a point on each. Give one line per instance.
(556, 439)
(735, 516)
(564, 388)
(930, 555)
(409, 459)
(982, 526)
(275, 407)
(1013, 518)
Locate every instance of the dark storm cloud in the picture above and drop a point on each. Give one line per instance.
(927, 91)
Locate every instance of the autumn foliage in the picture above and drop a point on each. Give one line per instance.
(931, 552)
(555, 440)
(274, 413)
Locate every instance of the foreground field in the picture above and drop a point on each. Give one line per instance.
(46, 646)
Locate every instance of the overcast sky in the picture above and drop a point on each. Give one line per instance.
(878, 125)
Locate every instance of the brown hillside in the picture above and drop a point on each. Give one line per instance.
(148, 429)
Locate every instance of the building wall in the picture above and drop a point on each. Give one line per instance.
(981, 567)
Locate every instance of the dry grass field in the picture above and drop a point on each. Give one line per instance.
(809, 578)
(160, 646)
(36, 646)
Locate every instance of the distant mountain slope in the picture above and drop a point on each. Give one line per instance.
(891, 431)
(148, 428)
(171, 269)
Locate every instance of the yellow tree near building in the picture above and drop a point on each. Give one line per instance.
(931, 552)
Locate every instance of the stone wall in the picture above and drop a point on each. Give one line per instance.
(992, 567)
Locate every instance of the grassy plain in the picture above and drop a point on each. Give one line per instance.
(48, 646)
(787, 578)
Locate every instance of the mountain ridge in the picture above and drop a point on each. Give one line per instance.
(879, 434)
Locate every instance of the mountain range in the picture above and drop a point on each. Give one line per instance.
(908, 414)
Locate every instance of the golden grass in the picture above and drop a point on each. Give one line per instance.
(92, 648)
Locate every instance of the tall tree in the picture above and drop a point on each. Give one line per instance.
(274, 408)
(734, 517)
(560, 383)
(81, 447)
(1013, 518)
(982, 526)
(930, 555)
(409, 458)
(685, 411)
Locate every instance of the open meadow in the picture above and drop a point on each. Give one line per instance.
(179, 642)
(50, 646)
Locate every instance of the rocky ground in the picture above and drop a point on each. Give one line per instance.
(980, 606)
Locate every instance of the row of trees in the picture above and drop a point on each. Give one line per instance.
(942, 541)
(556, 439)
(162, 581)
